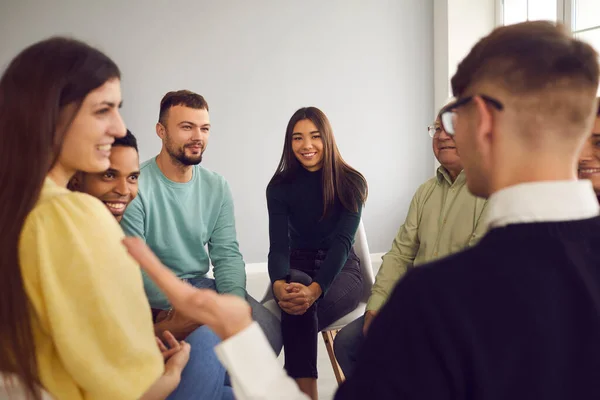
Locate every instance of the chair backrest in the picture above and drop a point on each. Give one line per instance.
(361, 248)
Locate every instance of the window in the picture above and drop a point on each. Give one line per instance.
(586, 15)
(585, 22)
(581, 16)
(515, 11)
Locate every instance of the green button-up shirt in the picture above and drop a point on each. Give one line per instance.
(443, 218)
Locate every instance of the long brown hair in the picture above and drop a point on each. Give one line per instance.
(35, 90)
(339, 179)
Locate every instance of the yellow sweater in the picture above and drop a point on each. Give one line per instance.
(91, 321)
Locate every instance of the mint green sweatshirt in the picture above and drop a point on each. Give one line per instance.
(179, 221)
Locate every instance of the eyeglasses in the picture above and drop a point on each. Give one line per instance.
(448, 113)
(434, 130)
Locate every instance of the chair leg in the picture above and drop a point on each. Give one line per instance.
(328, 337)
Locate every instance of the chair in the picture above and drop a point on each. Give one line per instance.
(361, 248)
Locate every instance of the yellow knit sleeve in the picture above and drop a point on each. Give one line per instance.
(88, 295)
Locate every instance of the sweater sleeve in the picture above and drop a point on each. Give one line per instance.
(224, 250)
(339, 248)
(279, 239)
(405, 353)
(87, 293)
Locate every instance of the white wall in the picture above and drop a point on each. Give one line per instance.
(457, 26)
(367, 64)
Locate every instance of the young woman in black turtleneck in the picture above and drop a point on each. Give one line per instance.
(589, 161)
(315, 201)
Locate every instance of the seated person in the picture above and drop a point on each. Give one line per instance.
(183, 208)
(589, 161)
(517, 316)
(74, 320)
(443, 218)
(204, 377)
(315, 201)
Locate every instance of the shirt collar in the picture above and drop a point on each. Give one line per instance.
(444, 175)
(550, 201)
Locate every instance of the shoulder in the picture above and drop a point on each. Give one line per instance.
(63, 214)
(277, 188)
(147, 167)
(210, 177)
(425, 188)
(148, 174)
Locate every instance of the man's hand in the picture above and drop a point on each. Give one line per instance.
(369, 316)
(176, 323)
(299, 298)
(226, 315)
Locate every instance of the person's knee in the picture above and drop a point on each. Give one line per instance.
(297, 276)
(349, 338)
(202, 336)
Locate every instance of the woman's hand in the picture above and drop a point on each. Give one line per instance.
(279, 289)
(299, 298)
(225, 314)
(176, 357)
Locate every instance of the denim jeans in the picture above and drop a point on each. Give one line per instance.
(300, 332)
(347, 345)
(203, 377)
(268, 322)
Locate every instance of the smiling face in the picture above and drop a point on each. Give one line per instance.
(117, 186)
(185, 134)
(589, 160)
(445, 150)
(307, 145)
(89, 137)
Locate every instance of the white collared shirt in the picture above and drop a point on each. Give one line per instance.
(550, 201)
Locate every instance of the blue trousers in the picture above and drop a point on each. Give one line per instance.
(204, 377)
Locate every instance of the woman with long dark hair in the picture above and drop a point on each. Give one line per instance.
(315, 201)
(73, 316)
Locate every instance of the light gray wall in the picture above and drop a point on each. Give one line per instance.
(366, 64)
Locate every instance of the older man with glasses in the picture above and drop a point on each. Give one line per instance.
(443, 218)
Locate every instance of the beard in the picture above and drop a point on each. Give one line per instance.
(178, 154)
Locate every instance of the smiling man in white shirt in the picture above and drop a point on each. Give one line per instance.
(516, 316)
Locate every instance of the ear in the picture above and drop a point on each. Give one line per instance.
(483, 126)
(160, 130)
(76, 182)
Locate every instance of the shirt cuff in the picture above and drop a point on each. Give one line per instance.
(251, 363)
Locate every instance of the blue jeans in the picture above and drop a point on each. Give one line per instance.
(268, 322)
(203, 377)
(347, 345)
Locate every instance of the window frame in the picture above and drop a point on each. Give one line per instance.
(564, 12)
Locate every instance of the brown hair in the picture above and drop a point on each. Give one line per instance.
(533, 58)
(339, 179)
(598, 112)
(40, 93)
(185, 98)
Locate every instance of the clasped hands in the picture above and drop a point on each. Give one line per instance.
(295, 298)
